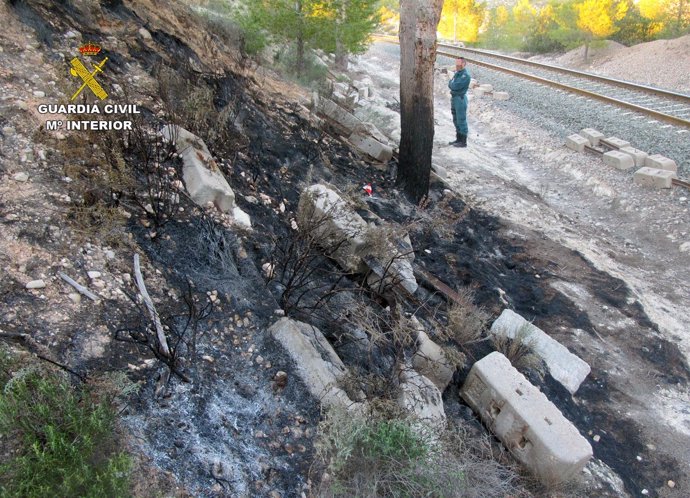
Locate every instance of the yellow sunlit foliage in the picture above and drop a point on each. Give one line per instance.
(651, 9)
(502, 16)
(524, 12)
(545, 17)
(666, 12)
(597, 18)
(320, 10)
(461, 20)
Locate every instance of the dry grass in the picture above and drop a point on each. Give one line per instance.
(519, 350)
(467, 322)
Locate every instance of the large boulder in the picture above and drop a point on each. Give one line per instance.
(202, 177)
(317, 364)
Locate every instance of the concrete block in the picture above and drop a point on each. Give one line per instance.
(592, 135)
(576, 142)
(487, 88)
(525, 421)
(617, 142)
(347, 121)
(339, 227)
(479, 92)
(372, 147)
(362, 88)
(501, 95)
(431, 361)
(419, 396)
(440, 171)
(652, 177)
(639, 156)
(658, 161)
(341, 88)
(316, 363)
(474, 83)
(565, 367)
(618, 160)
(202, 177)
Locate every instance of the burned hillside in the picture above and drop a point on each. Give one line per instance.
(265, 315)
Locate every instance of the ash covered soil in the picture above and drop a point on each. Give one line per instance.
(523, 230)
(610, 281)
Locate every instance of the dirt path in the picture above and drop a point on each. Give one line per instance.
(616, 252)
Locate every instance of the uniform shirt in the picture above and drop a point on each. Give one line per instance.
(460, 83)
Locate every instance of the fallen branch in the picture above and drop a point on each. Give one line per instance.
(162, 342)
(82, 290)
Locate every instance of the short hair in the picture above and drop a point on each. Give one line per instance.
(461, 59)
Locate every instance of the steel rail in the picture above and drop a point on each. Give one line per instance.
(610, 100)
(595, 77)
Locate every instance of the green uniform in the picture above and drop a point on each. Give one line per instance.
(458, 100)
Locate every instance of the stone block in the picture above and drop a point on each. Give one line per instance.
(617, 142)
(474, 83)
(479, 92)
(338, 227)
(372, 147)
(362, 88)
(439, 171)
(592, 135)
(618, 160)
(526, 422)
(652, 177)
(501, 95)
(430, 361)
(342, 88)
(639, 156)
(565, 367)
(576, 142)
(202, 177)
(346, 120)
(657, 161)
(487, 88)
(316, 363)
(420, 397)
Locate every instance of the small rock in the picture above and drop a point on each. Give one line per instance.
(684, 247)
(93, 275)
(596, 438)
(145, 34)
(279, 312)
(251, 199)
(207, 358)
(644, 492)
(110, 254)
(259, 360)
(280, 379)
(671, 484)
(99, 284)
(74, 297)
(36, 284)
(21, 177)
(179, 443)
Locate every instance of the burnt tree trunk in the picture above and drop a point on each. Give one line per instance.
(418, 22)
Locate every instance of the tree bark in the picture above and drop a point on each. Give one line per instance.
(340, 49)
(418, 22)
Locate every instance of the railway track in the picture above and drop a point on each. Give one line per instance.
(663, 105)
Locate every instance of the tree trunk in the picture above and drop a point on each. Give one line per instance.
(418, 22)
(340, 49)
(300, 40)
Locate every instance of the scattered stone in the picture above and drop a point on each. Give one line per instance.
(280, 379)
(671, 484)
(501, 95)
(145, 34)
(39, 94)
(21, 177)
(72, 34)
(75, 297)
(596, 438)
(421, 397)
(36, 284)
(684, 247)
(430, 361)
(93, 275)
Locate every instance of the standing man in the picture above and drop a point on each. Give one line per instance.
(458, 101)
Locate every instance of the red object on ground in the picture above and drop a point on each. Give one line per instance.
(367, 188)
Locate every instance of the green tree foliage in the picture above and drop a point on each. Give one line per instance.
(339, 26)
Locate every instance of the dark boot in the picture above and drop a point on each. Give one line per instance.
(462, 140)
(456, 141)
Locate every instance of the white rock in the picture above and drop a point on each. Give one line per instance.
(20, 177)
(421, 397)
(241, 217)
(39, 94)
(564, 366)
(36, 284)
(93, 275)
(430, 361)
(684, 247)
(145, 34)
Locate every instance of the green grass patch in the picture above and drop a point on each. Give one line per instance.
(58, 440)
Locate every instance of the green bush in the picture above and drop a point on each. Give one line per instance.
(61, 440)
